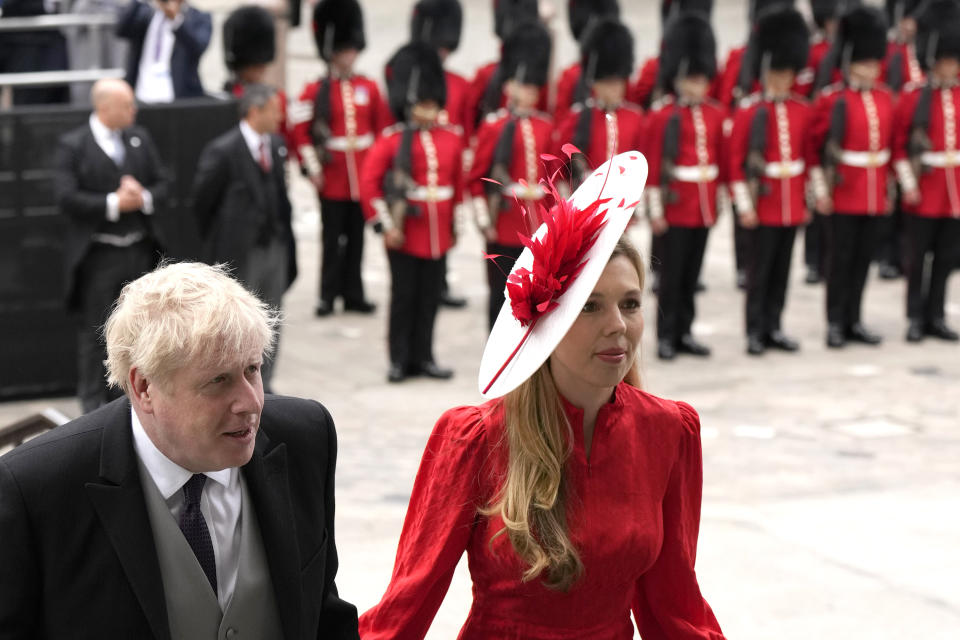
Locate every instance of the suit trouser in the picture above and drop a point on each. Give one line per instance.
(938, 238)
(342, 239)
(852, 246)
(497, 271)
(265, 274)
(742, 247)
(815, 242)
(767, 276)
(414, 299)
(683, 249)
(891, 248)
(103, 272)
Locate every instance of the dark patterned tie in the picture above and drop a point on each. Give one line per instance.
(195, 530)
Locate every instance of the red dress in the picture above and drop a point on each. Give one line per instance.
(634, 516)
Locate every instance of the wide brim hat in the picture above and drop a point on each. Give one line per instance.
(516, 349)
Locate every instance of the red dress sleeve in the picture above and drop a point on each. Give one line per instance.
(668, 604)
(447, 494)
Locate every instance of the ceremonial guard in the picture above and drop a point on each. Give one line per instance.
(505, 177)
(336, 122)
(411, 181)
(683, 148)
(604, 125)
(438, 23)
(852, 132)
(926, 153)
(901, 67)
(572, 87)
(767, 152)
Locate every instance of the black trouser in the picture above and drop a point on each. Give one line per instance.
(741, 244)
(682, 258)
(891, 248)
(656, 253)
(342, 239)
(815, 242)
(102, 274)
(767, 276)
(853, 243)
(927, 279)
(414, 298)
(444, 286)
(497, 271)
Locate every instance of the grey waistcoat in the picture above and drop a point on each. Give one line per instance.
(192, 608)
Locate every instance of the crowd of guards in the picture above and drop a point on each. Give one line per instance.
(838, 118)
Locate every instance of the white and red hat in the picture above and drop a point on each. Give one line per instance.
(557, 271)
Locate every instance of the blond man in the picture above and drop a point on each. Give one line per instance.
(193, 507)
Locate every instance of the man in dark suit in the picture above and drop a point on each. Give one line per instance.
(167, 39)
(194, 508)
(240, 200)
(110, 184)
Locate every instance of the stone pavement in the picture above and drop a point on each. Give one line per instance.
(831, 479)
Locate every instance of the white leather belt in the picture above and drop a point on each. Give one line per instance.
(347, 143)
(423, 193)
(524, 192)
(114, 240)
(790, 169)
(865, 159)
(940, 159)
(696, 173)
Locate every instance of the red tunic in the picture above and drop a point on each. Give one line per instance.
(622, 131)
(641, 91)
(476, 91)
(566, 90)
(635, 520)
(346, 148)
(939, 183)
(910, 71)
(726, 82)
(861, 185)
(781, 203)
(699, 163)
(455, 108)
(525, 165)
(429, 235)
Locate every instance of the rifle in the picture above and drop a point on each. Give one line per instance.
(320, 128)
(500, 170)
(919, 141)
(668, 157)
(833, 148)
(756, 162)
(398, 181)
(579, 169)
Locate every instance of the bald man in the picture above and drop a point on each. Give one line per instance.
(110, 187)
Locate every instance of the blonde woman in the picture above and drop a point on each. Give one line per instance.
(575, 494)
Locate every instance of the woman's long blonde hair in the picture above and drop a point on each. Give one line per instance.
(533, 498)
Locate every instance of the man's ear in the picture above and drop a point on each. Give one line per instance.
(140, 390)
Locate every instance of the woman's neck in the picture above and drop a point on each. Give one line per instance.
(589, 399)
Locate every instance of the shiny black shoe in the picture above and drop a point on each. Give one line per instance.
(452, 302)
(361, 306)
(323, 309)
(813, 276)
(859, 333)
(755, 345)
(666, 350)
(939, 329)
(836, 338)
(432, 370)
(779, 340)
(889, 271)
(915, 331)
(689, 345)
(396, 373)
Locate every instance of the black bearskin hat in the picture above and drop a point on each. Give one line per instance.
(938, 32)
(783, 39)
(414, 74)
(672, 8)
(581, 12)
(507, 14)
(758, 7)
(862, 35)
(824, 10)
(338, 24)
(606, 50)
(900, 9)
(526, 54)
(248, 37)
(438, 23)
(688, 47)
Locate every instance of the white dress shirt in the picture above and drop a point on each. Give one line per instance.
(111, 142)
(254, 140)
(154, 83)
(220, 504)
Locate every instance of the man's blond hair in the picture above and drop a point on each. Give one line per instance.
(183, 314)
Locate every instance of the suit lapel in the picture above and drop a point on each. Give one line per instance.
(251, 169)
(119, 502)
(266, 476)
(95, 151)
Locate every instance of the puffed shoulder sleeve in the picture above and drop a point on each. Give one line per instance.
(668, 604)
(447, 494)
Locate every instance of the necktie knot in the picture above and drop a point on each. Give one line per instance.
(193, 488)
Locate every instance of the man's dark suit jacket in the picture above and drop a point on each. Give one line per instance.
(77, 556)
(190, 41)
(228, 197)
(85, 175)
